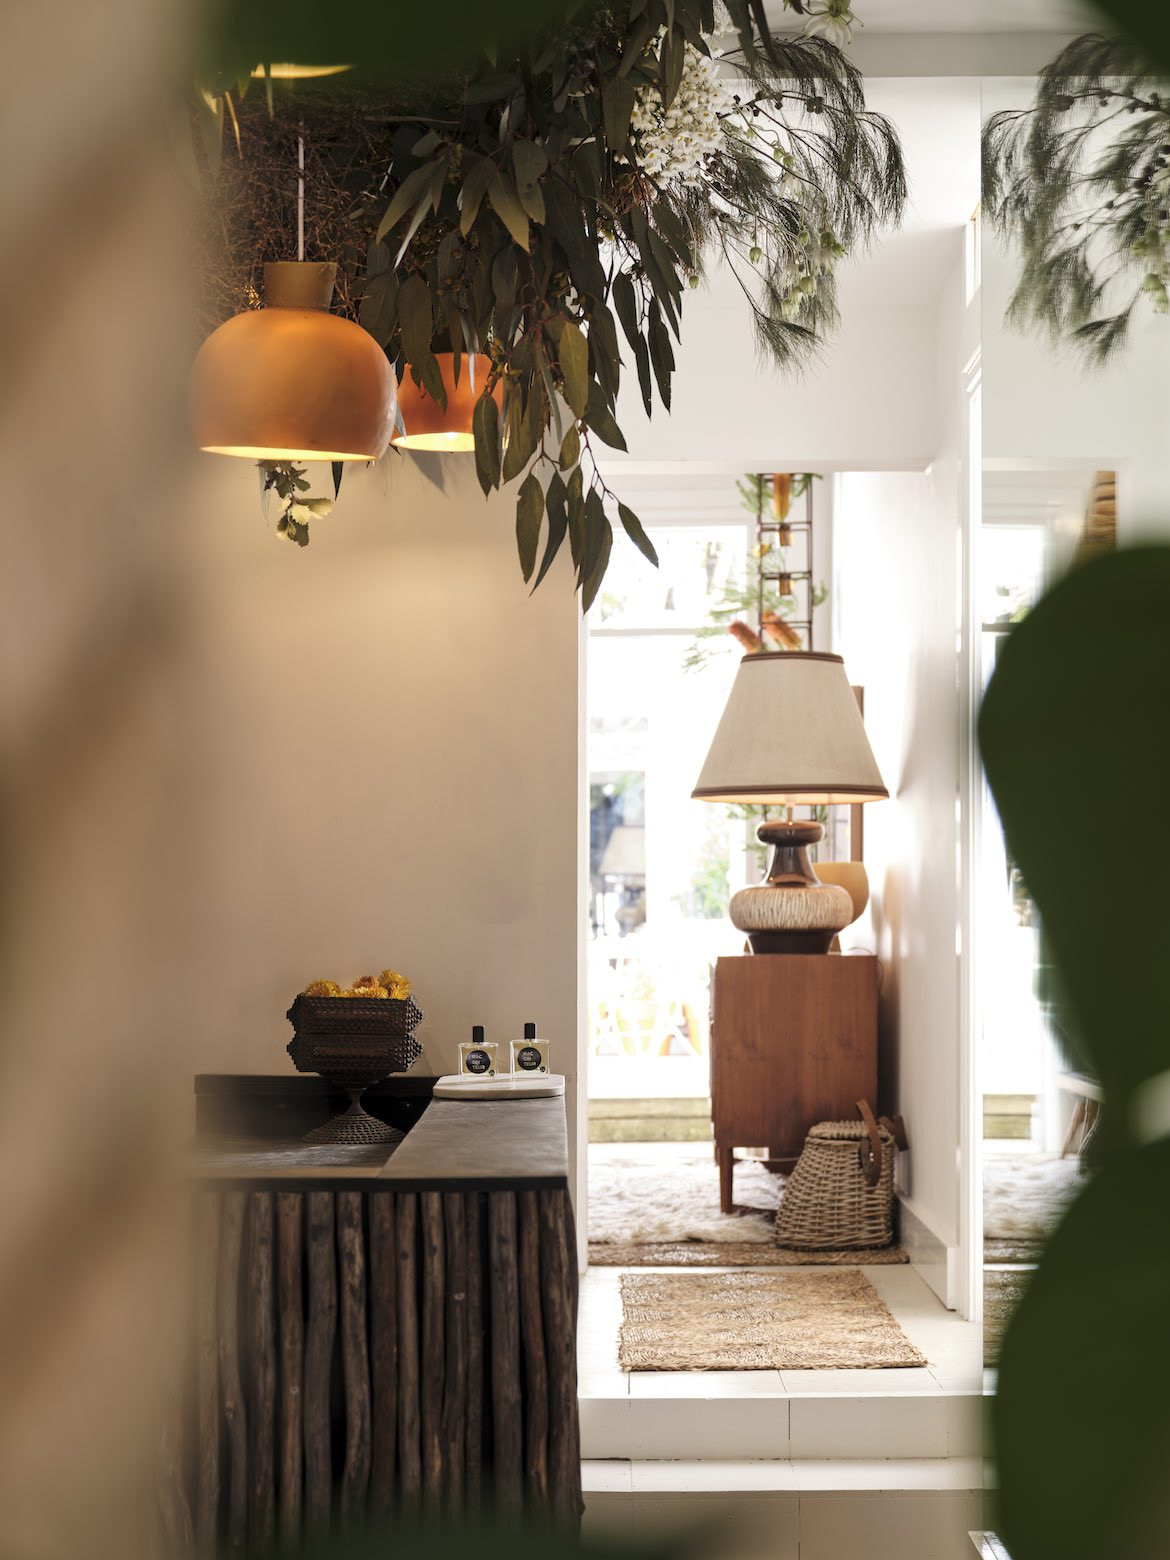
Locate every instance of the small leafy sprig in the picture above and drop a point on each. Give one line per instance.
(287, 480)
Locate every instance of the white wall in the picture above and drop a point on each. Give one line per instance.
(385, 744)
(896, 544)
(1042, 407)
(866, 403)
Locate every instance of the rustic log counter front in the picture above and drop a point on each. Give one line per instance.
(377, 1332)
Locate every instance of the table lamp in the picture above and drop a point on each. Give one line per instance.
(791, 734)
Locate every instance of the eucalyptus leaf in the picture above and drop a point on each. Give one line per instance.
(475, 183)
(506, 201)
(573, 354)
(598, 545)
(530, 161)
(414, 316)
(529, 513)
(378, 311)
(570, 449)
(633, 529)
(485, 428)
(617, 107)
(661, 352)
(494, 89)
(600, 419)
(575, 510)
(556, 504)
(406, 198)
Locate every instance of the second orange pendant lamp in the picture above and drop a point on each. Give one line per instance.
(426, 424)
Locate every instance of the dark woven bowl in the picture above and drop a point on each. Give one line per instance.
(354, 1042)
(355, 1016)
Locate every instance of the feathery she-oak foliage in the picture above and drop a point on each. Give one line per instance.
(1081, 182)
(520, 212)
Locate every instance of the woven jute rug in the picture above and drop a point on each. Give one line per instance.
(758, 1321)
(1003, 1289)
(694, 1253)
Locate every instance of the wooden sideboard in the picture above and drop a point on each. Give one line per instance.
(376, 1334)
(793, 1042)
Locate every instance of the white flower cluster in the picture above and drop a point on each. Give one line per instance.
(672, 144)
(810, 261)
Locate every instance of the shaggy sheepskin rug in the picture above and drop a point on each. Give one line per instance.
(1025, 1194)
(650, 1193)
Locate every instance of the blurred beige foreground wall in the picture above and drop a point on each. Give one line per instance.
(91, 754)
(226, 766)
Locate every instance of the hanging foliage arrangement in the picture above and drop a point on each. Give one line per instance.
(553, 210)
(1080, 182)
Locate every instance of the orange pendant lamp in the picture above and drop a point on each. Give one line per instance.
(292, 381)
(426, 424)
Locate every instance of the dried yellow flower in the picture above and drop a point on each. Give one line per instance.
(397, 985)
(322, 988)
(367, 986)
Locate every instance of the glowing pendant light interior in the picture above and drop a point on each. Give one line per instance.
(427, 425)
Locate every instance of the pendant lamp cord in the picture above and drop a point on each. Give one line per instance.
(300, 194)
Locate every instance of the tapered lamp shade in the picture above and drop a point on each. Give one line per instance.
(292, 381)
(426, 423)
(791, 732)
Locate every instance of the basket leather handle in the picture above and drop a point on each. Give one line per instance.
(896, 1127)
(870, 1152)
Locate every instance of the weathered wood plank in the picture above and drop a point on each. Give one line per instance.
(354, 1355)
(319, 1341)
(262, 1372)
(433, 1322)
(409, 1447)
(231, 1388)
(455, 1363)
(383, 1351)
(507, 1409)
(476, 1325)
(558, 1277)
(291, 1319)
(536, 1405)
(207, 1375)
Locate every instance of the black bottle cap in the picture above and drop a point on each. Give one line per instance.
(477, 1034)
(530, 1031)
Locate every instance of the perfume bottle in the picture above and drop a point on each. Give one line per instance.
(478, 1058)
(530, 1055)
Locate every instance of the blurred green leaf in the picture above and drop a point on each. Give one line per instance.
(1146, 21)
(1068, 714)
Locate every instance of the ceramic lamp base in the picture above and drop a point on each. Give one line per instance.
(791, 911)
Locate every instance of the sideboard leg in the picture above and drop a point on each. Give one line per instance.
(726, 1157)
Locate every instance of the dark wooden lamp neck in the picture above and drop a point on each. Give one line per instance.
(790, 866)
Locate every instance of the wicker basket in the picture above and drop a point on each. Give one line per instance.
(841, 1193)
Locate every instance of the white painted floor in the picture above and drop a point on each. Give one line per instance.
(788, 1465)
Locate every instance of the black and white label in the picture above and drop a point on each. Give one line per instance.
(529, 1056)
(478, 1060)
